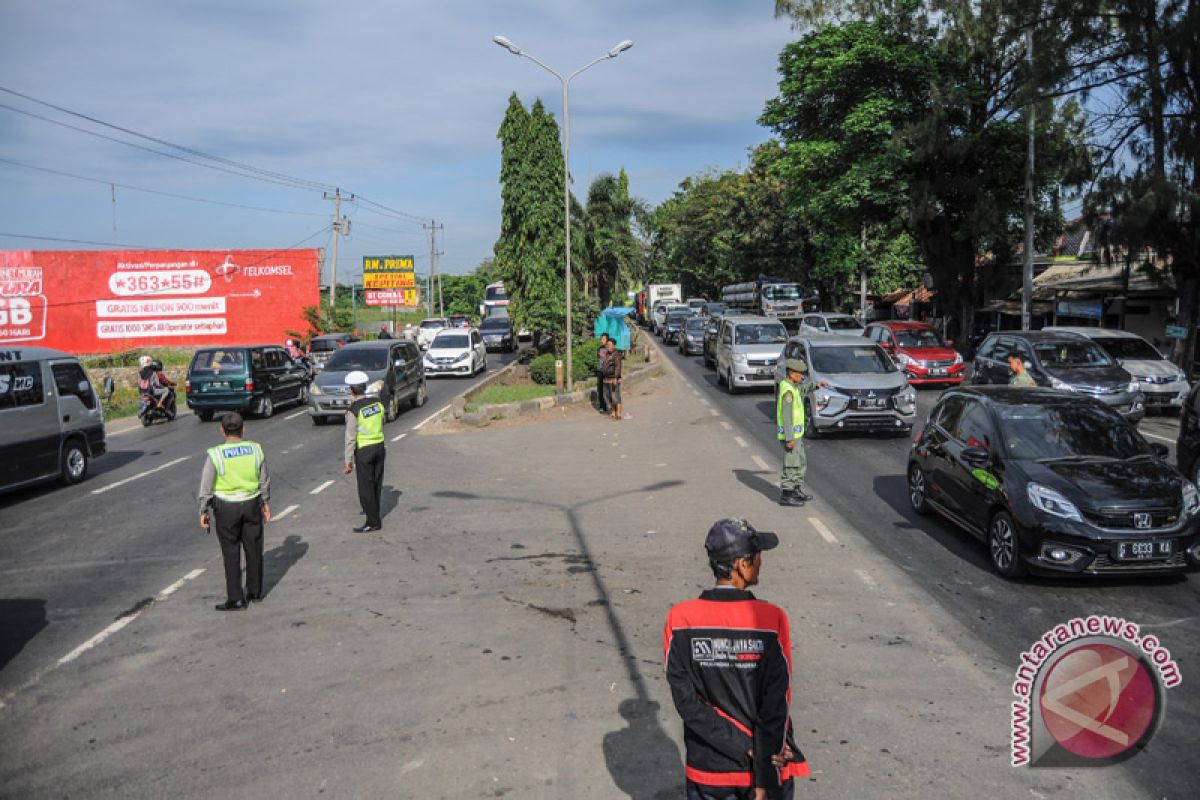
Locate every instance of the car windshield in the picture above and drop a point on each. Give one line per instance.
(1137, 349)
(495, 324)
(495, 294)
(675, 318)
(782, 292)
(454, 341)
(868, 360)
(214, 362)
(713, 309)
(843, 324)
(323, 345)
(433, 323)
(695, 324)
(918, 337)
(760, 334)
(365, 358)
(1072, 354)
(1074, 430)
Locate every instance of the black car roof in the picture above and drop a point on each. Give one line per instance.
(1020, 395)
(334, 336)
(371, 344)
(1042, 336)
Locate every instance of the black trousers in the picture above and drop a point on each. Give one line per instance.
(368, 467)
(240, 527)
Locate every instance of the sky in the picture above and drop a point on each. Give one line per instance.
(394, 101)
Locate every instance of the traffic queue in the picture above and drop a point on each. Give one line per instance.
(1032, 448)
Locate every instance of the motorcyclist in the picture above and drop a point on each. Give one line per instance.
(293, 349)
(154, 383)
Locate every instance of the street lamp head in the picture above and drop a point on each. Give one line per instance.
(507, 45)
(621, 48)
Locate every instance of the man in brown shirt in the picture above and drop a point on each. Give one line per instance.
(612, 379)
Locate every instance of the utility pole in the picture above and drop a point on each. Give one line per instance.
(341, 227)
(1027, 266)
(433, 227)
(862, 272)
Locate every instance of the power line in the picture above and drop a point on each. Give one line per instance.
(157, 191)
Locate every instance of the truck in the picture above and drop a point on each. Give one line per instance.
(768, 296)
(658, 294)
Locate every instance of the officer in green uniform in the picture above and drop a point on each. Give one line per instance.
(1020, 375)
(234, 493)
(364, 448)
(789, 422)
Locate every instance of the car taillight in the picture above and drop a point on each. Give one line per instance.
(249, 385)
(187, 385)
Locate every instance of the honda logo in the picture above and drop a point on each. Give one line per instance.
(1141, 519)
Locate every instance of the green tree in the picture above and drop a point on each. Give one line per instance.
(610, 251)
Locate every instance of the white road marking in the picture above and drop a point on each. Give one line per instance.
(297, 413)
(432, 416)
(704, 400)
(726, 425)
(284, 513)
(1156, 436)
(123, 621)
(826, 534)
(322, 487)
(714, 412)
(758, 462)
(104, 489)
(866, 578)
(741, 442)
(398, 438)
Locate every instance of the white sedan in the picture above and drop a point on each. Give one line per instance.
(456, 351)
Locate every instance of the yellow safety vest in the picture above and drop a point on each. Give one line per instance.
(237, 465)
(785, 386)
(370, 424)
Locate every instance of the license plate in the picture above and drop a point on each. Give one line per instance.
(870, 403)
(937, 373)
(1141, 551)
(765, 371)
(216, 386)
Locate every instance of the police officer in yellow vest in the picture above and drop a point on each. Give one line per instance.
(234, 493)
(789, 421)
(364, 448)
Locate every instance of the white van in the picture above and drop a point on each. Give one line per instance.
(51, 420)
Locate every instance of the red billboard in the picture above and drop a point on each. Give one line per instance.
(106, 301)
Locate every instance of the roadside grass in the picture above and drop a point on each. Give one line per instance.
(123, 403)
(498, 394)
(169, 356)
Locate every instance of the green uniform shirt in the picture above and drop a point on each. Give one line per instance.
(1021, 379)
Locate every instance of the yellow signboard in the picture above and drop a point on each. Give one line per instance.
(389, 280)
(387, 264)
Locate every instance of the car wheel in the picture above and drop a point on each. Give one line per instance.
(916, 489)
(302, 397)
(319, 419)
(729, 384)
(420, 397)
(74, 462)
(389, 409)
(204, 416)
(1196, 471)
(1004, 545)
(811, 431)
(266, 406)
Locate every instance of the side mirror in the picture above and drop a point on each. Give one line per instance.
(976, 456)
(1159, 449)
(110, 386)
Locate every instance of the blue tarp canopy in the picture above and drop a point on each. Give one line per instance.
(612, 322)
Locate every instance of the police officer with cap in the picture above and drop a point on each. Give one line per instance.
(234, 492)
(790, 425)
(364, 448)
(729, 666)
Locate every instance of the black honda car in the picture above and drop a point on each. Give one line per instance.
(1054, 483)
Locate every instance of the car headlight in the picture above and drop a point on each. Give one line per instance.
(905, 359)
(375, 387)
(1133, 385)
(316, 389)
(1062, 386)
(822, 397)
(1052, 502)
(1191, 499)
(739, 358)
(461, 357)
(908, 397)
(958, 359)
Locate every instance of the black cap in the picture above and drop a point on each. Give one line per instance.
(731, 539)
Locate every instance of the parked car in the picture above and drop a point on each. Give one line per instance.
(395, 376)
(747, 349)
(255, 379)
(1162, 384)
(498, 334)
(691, 341)
(830, 322)
(864, 389)
(430, 328)
(672, 329)
(1063, 361)
(51, 419)
(1054, 483)
(320, 348)
(920, 351)
(456, 352)
(712, 309)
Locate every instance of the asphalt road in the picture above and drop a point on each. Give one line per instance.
(74, 559)
(863, 478)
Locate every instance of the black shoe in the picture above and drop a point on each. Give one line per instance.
(789, 499)
(230, 605)
(253, 598)
(801, 496)
(366, 528)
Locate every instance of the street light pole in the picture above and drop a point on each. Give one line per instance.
(566, 148)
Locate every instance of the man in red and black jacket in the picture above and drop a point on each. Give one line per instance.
(728, 660)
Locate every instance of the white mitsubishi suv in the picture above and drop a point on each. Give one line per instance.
(456, 351)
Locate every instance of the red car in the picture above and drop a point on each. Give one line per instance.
(920, 351)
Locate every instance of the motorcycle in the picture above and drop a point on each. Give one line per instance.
(149, 410)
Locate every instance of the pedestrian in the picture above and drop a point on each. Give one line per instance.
(601, 355)
(383, 332)
(612, 379)
(365, 451)
(1020, 376)
(729, 665)
(789, 422)
(235, 489)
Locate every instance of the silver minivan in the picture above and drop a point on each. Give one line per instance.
(747, 349)
(51, 420)
(859, 387)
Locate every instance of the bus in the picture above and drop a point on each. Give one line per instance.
(494, 297)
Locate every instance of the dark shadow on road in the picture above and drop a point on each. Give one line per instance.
(752, 479)
(112, 460)
(388, 500)
(21, 619)
(278, 560)
(642, 759)
(893, 490)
